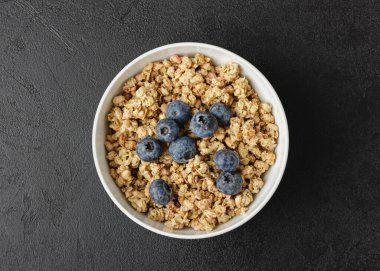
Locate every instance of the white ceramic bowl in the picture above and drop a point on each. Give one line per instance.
(266, 93)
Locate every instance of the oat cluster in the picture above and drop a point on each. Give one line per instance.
(196, 202)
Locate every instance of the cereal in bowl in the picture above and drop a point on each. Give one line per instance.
(168, 124)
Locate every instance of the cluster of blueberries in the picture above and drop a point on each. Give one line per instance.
(183, 148)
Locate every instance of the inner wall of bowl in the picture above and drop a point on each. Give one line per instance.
(261, 86)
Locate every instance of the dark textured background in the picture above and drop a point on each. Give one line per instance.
(56, 59)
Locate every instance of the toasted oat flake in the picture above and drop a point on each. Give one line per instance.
(196, 201)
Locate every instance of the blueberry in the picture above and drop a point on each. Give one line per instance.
(149, 149)
(229, 182)
(182, 149)
(179, 111)
(167, 130)
(222, 113)
(160, 192)
(226, 160)
(203, 124)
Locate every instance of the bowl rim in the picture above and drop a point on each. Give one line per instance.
(285, 143)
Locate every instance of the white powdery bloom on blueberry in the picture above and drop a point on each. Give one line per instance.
(229, 183)
(182, 149)
(160, 192)
(167, 130)
(203, 124)
(226, 160)
(222, 113)
(179, 111)
(149, 149)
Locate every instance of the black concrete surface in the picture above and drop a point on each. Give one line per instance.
(56, 59)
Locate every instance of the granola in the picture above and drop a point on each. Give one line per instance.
(196, 202)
